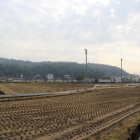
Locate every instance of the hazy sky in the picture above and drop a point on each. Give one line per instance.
(60, 30)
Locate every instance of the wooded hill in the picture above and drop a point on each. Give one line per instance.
(14, 68)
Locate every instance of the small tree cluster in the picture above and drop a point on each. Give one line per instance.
(79, 77)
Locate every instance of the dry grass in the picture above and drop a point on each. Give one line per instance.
(22, 88)
(124, 130)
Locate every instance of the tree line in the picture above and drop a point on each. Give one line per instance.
(14, 68)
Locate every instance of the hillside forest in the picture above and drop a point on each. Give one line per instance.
(14, 68)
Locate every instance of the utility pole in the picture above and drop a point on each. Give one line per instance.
(86, 67)
(72, 78)
(45, 77)
(121, 72)
(134, 77)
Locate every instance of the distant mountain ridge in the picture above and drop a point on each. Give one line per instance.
(14, 68)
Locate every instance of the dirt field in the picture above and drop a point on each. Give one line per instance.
(22, 88)
(81, 116)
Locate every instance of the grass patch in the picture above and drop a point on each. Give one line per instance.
(123, 131)
(1, 91)
(48, 91)
(47, 96)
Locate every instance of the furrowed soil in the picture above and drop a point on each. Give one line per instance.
(80, 116)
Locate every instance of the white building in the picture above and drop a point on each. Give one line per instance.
(21, 76)
(133, 78)
(104, 80)
(50, 77)
(38, 76)
(116, 79)
(66, 77)
(88, 80)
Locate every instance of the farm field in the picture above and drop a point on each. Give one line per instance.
(80, 116)
(22, 88)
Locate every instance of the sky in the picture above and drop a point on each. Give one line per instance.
(60, 30)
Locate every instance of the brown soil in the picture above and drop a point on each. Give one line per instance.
(77, 116)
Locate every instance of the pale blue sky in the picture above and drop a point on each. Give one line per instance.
(60, 30)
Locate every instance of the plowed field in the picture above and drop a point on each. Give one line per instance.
(79, 116)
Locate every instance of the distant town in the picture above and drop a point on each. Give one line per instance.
(59, 72)
(50, 78)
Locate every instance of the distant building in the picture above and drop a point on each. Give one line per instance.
(88, 80)
(125, 80)
(133, 78)
(21, 76)
(38, 76)
(66, 77)
(116, 79)
(104, 80)
(50, 77)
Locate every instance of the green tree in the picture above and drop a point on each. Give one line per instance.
(79, 77)
(96, 80)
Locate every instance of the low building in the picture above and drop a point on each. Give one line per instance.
(50, 77)
(133, 78)
(67, 77)
(89, 80)
(38, 76)
(104, 80)
(116, 79)
(125, 80)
